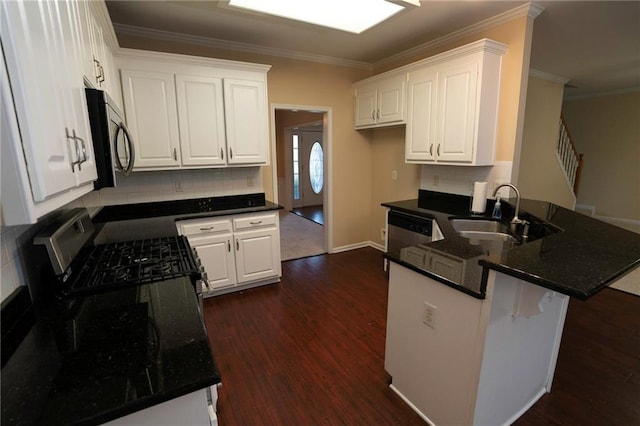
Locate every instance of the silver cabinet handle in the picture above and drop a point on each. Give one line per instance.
(229, 246)
(230, 153)
(97, 65)
(221, 154)
(102, 77)
(74, 138)
(84, 149)
(208, 228)
(373, 114)
(378, 114)
(431, 149)
(256, 223)
(175, 154)
(237, 245)
(438, 150)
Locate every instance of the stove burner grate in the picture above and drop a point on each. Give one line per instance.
(136, 262)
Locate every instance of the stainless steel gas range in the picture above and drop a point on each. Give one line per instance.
(146, 267)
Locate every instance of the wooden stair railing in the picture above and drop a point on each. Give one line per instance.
(571, 161)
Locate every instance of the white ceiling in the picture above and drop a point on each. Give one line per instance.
(594, 44)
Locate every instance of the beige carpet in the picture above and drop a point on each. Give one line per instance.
(299, 237)
(630, 282)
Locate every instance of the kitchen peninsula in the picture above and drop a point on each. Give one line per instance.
(483, 349)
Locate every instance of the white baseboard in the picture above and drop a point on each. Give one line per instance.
(358, 246)
(587, 207)
(412, 406)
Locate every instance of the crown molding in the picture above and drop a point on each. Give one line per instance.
(570, 97)
(530, 10)
(547, 76)
(154, 34)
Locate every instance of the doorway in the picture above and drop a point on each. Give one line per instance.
(300, 178)
(307, 171)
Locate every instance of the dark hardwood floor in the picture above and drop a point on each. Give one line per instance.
(313, 213)
(310, 350)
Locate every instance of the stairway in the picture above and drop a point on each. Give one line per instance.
(568, 156)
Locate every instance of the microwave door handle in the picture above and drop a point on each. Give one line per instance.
(125, 170)
(132, 152)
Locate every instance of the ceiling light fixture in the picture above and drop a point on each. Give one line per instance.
(354, 16)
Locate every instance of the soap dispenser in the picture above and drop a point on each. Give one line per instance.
(497, 209)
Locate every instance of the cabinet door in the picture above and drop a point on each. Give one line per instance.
(217, 255)
(201, 119)
(152, 118)
(455, 132)
(366, 104)
(257, 255)
(44, 81)
(246, 121)
(421, 116)
(391, 100)
(447, 267)
(70, 24)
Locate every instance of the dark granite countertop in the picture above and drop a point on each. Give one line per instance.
(93, 359)
(568, 252)
(157, 219)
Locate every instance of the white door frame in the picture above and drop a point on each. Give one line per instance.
(327, 120)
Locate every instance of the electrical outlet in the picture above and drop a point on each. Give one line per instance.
(249, 181)
(394, 175)
(436, 180)
(178, 186)
(429, 315)
(383, 234)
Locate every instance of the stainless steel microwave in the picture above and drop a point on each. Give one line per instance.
(112, 144)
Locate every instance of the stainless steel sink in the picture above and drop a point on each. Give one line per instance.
(478, 225)
(487, 236)
(482, 229)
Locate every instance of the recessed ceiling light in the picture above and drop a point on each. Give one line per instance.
(354, 16)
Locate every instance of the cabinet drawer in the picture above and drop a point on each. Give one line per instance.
(203, 226)
(250, 222)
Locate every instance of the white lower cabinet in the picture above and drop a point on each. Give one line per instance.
(237, 251)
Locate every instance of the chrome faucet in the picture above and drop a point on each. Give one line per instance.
(516, 220)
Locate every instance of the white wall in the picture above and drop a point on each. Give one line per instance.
(460, 179)
(143, 187)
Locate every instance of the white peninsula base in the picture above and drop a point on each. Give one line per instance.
(460, 360)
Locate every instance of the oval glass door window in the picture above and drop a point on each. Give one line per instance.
(316, 168)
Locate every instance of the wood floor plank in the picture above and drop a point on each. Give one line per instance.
(310, 351)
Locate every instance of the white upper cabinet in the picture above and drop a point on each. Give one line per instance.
(247, 121)
(98, 43)
(380, 101)
(188, 112)
(50, 160)
(453, 106)
(152, 118)
(201, 120)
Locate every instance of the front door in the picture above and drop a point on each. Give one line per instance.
(308, 168)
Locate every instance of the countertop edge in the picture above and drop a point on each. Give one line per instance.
(482, 295)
